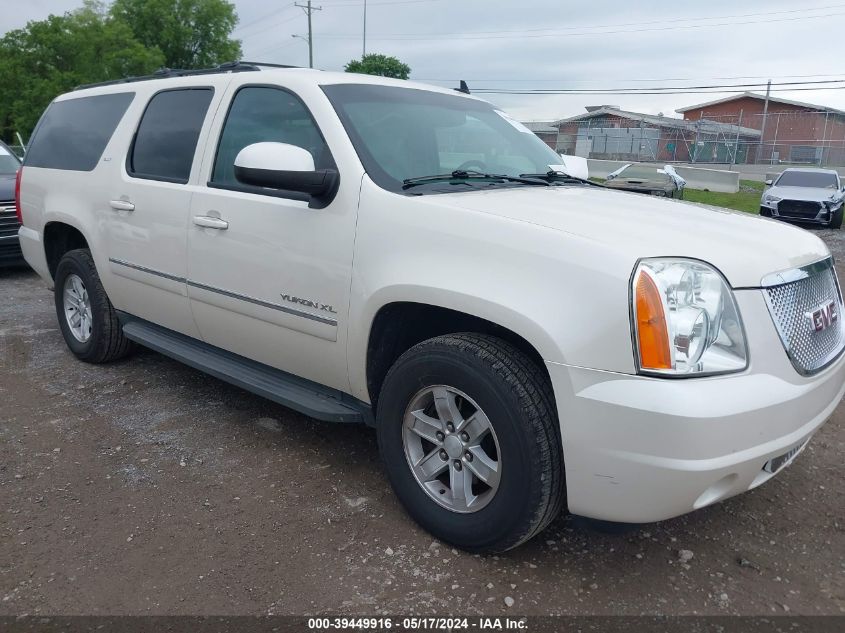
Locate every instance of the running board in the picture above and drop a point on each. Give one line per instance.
(299, 394)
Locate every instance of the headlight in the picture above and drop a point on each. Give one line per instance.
(769, 198)
(685, 319)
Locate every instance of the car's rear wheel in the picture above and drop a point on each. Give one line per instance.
(87, 318)
(469, 435)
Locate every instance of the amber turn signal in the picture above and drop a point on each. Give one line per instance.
(652, 330)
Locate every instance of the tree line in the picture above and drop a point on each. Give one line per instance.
(100, 42)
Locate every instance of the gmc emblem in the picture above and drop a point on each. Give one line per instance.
(823, 317)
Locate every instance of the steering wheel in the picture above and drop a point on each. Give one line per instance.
(477, 165)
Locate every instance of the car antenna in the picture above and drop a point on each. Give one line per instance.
(463, 87)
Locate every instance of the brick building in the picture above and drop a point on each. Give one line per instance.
(611, 133)
(792, 131)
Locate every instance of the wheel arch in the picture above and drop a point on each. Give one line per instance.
(61, 236)
(398, 325)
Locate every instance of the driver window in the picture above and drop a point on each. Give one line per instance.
(259, 114)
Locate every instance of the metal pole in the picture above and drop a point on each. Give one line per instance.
(736, 143)
(697, 135)
(765, 115)
(364, 50)
(824, 139)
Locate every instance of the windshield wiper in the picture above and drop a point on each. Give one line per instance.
(463, 174)
(559, 176)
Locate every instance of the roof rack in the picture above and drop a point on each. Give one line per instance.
(166, 73)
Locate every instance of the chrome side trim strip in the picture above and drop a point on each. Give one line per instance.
(263, 304)
(795, 274)
(227, 293)
(144, 269)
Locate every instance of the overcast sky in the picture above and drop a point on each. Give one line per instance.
(553, 44)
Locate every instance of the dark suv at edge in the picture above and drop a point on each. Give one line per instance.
(10, 249)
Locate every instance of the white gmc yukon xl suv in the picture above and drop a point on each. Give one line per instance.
(361, 249)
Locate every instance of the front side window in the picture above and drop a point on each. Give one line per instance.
(166, 139)
(264, 114)
(402, 133)
(73, 133)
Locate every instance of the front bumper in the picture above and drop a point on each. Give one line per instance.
(781, 210)
(640, 449)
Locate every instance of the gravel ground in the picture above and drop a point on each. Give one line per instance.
(145, 487)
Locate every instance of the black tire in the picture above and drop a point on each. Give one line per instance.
(106, 342)
(517, 397)
(765, 212)
(836, 219)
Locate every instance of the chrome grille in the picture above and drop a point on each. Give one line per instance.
(9, 224)
(792, 303)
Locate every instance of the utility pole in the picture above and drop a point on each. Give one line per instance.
(364, 52)
(308, 11)
(765, 115)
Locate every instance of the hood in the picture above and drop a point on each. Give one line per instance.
(7, 187)
(809, 194)
(743, 247)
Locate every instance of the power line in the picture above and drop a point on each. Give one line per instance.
(273, 25)
(642, 92)
(540, 79)
(670, 88)
(615, 25)
(376, 2)
(263, 18)
(521, 34)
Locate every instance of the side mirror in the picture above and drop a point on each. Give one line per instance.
(283, 166)
(769, 182)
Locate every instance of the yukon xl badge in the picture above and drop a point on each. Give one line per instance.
(308, 303)
(823, 317)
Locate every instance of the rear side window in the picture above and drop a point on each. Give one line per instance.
(166, 139)
(73, 133)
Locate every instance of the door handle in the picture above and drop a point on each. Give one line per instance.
(208, 222)
(121, 205)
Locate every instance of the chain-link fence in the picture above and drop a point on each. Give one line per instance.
(777, 138)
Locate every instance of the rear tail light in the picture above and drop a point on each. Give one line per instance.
(18, 212)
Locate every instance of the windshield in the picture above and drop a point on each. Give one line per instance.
(8, 162)
(818, 179)
(405, 133)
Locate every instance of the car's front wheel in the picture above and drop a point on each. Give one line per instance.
(836, 218)
(469, 435)
(87, 319)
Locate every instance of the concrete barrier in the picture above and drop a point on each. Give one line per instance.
(696, 177)
(710, 179)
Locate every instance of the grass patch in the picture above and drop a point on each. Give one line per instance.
(747, 199)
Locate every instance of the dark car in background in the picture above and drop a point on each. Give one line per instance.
(653, 180)
(10, 249)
